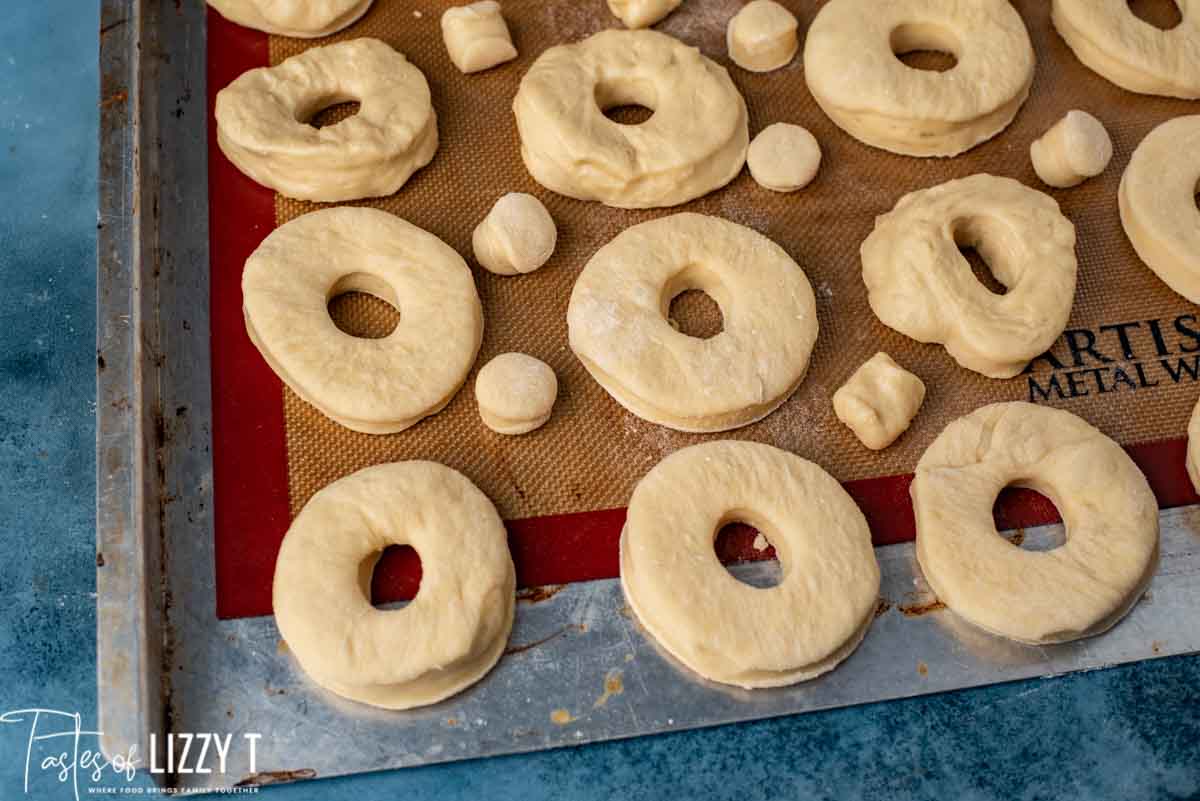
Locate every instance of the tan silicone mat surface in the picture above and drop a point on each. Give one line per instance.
(592, 451)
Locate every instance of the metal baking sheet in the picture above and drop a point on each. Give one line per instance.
(579, 668)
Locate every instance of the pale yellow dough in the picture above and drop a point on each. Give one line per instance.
(262, 122)
(922, 286)
(694, 142)
(851, 68)
(717, 626)
(452, 632)
(1157, 200)
(1135, 55)
(879, 401)
(642, 13)
(517, 236)
(784, 157)
(303, 19)
(618, 326)
(1076, 590)
(376, 386)
(1193, 447)
(515, 393)
(1075, 149)
(762, 36)
(476, 36)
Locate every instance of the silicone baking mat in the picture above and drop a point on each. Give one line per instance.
(1128, 362)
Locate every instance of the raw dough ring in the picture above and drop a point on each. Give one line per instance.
(1158, 207)
(262, 122)
(303, 19)
(695, 141)
(851, 68)
(376, 386)
(1076, 590)
(920, 284)
(1110, 40)
(717, 626)
(1193, 447)
(448, 637)
(618, 326)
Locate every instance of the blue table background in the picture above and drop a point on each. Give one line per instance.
(1126, 733)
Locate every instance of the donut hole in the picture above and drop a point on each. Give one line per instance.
(392, 577)
(692, 303)
(927, 47)
(972, 240)
(1162, 14)
(735, 546)
(327, 110)
(629, 101)
(363, 306)
(1018, 508)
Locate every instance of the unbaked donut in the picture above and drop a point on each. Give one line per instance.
(920, 284)
(879, 401)
(1110, 40)
(1193, 447)
(262, 122)
(694, 142)
(452, 632)
(1076, 590)
(515, 393)
(303, 19)
(1076, 148)
(717, 626)
(517, 236)
(642, 13)
(784, 157)
(851, 68)
(618, 326)
(377, 386)
(1157, 199)
(762, 36)
(476, 36)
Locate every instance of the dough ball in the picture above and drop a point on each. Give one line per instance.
(515, 393)
(762, 36)
(517, 235)
(476, 37)
(784, 157)
(1075, 149)
(879, 401)
(642, 13)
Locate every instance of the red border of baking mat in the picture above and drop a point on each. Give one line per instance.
(250, 452)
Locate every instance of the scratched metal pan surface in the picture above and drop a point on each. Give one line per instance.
(579, 668)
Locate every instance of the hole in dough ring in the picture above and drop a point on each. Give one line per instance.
(376, 386)
(302, 19)
(618, 327)
(851, 68)
(448, 637)
(1076, 590)
(717, 626)
(262, 122)
(920, 284)
(1111, 41)
(1158, 205)
(695, 141)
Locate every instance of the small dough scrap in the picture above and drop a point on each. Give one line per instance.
(452, 632)
(1075, 149)
(714, 624)
(302, 19)
(694, 142)
(1193, 448)
(642, 13)
(919, 283)
(784, 157)
(762, 36)
(879, 401)
(1077, 590)
(617, 323)
(476, 36)
(1113, 42)
(1157, 200)
(262, 122)
(517, 236)
(376, 386)
(515, 393)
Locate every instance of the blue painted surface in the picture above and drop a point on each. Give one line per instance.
(1127, 733)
